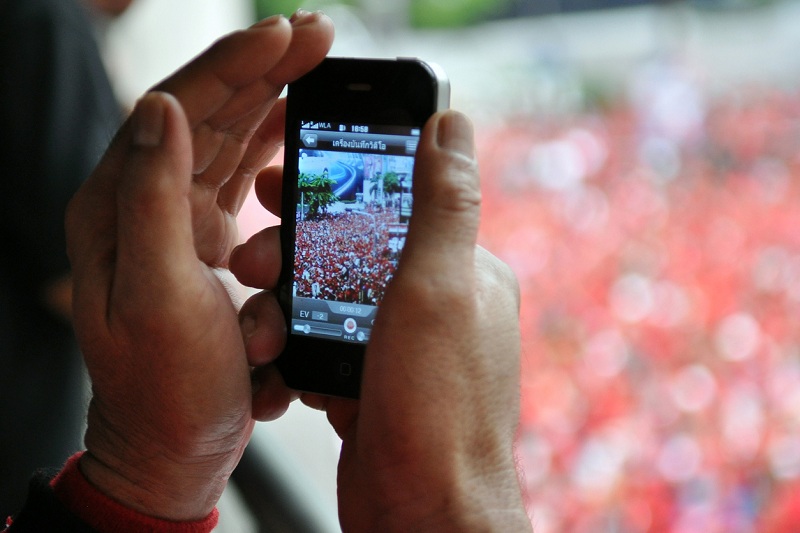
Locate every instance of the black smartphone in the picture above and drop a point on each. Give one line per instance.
(352, 129)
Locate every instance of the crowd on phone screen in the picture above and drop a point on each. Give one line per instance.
(345, 257)
(660, 272)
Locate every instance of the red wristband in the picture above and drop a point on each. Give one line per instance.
(106, 515)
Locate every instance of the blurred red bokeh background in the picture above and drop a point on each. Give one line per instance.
(660, 276)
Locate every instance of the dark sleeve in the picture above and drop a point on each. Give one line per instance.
(44, 512)
(57, 115)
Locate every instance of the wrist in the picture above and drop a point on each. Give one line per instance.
(490, 502)
(102, 513)
(455, 499)
(496, 506)
(483, 510)
(141, 473)
(167, 495)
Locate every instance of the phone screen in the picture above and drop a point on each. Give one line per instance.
(352, 130)
(352, 207)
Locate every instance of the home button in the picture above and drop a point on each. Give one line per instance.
(345, 369)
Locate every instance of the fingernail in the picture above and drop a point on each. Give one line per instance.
(455, 134)
(248, 326)
(300, 13)
(301, 17)
(269, 21)
(147, 121)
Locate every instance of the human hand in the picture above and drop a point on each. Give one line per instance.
(172, 405)
(429, 445)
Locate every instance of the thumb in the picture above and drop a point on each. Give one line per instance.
(444, 226)
(154, 226)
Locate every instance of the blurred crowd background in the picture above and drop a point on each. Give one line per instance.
(656, 243)
(640, 164)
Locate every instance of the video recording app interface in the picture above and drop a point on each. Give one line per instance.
(353, 207)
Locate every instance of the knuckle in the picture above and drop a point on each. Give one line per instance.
(427, 296)
(498, 278)
(460, 190)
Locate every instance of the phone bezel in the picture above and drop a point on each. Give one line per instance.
(404, 91)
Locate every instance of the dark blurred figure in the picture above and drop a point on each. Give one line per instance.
(57, 114)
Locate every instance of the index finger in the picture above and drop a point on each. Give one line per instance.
(242, 76)
(232, 62)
